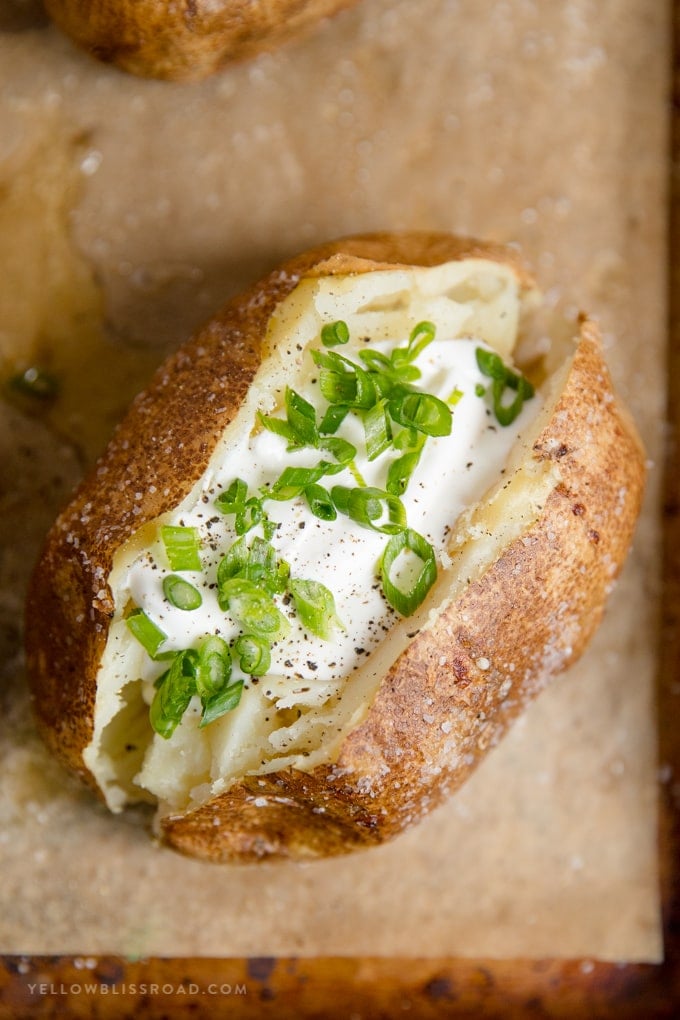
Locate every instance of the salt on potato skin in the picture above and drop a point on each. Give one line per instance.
(528, 588)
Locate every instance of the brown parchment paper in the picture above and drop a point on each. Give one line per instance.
(129, 210)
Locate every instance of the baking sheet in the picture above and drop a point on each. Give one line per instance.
(504, 120)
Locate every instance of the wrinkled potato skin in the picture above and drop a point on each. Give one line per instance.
(186, 40)
(535, 608)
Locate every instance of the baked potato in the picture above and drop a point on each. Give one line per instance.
(333, 550)
(187, 40)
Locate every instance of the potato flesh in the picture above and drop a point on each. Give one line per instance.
(471, 297)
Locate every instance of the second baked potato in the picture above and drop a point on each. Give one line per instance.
(188, 39)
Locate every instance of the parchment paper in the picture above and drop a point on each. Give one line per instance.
(514, 120)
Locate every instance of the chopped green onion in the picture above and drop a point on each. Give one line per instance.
(320, 503)
(220, 703)
(492, 365)
(180, 593)
(301, 418)
(174, 694)
(422, 411)
(334, 334)
(182, 547)
(333, 418)
(257, 563)
(233, 499)
(377, 429)
(421, 336)
(294, 480)
(480, 390)
(279, 427)
(368, 506)
(213, 668)
(342, 381)
(254, 654)
(400, 471)
(407, 601)
(454, 397)
(316, 607)
(149, 635)
(252, 608)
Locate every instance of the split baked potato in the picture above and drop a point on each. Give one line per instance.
(248, 614)
(187, 40)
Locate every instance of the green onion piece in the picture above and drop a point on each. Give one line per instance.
(254, 654)
(333, 418)
(377, 429)
(250, 515)
(294, 480)
(149, 635)
(36, 383)
(454, 397)
(257, 563)
(421, 335)
(320, 503)
(316, 607)
(252, 608)
(343, 451)
(232, 499)
(213, 668)
(301, 418)
(407, 601)
(480, 390)
(342, 381)
(219, 704)
(279, 427)
(491, 365)
(422, 411)
(371, 508)
(180, 593)
(400, 471)
(182, 547)
(174, 694)
(334, 334)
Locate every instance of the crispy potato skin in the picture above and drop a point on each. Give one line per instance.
(404, 758)
(186, 40)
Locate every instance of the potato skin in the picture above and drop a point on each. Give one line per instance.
(187, 40)
(403, 758)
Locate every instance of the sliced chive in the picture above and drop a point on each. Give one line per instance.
(254, 654)
(320, 503)
(301, 417)
(315, 606)
(252, 608)
(173, 696)
(181, 547)
(371, 508)
(257, 563)
(233, 498)
(492, 365)
(377, 429)
(421, 411)
(220, 703)
(333, 334)
(149, 635)
(407, 599)
(213, 668)
(180, 593)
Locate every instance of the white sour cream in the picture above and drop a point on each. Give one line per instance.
(454, 471)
